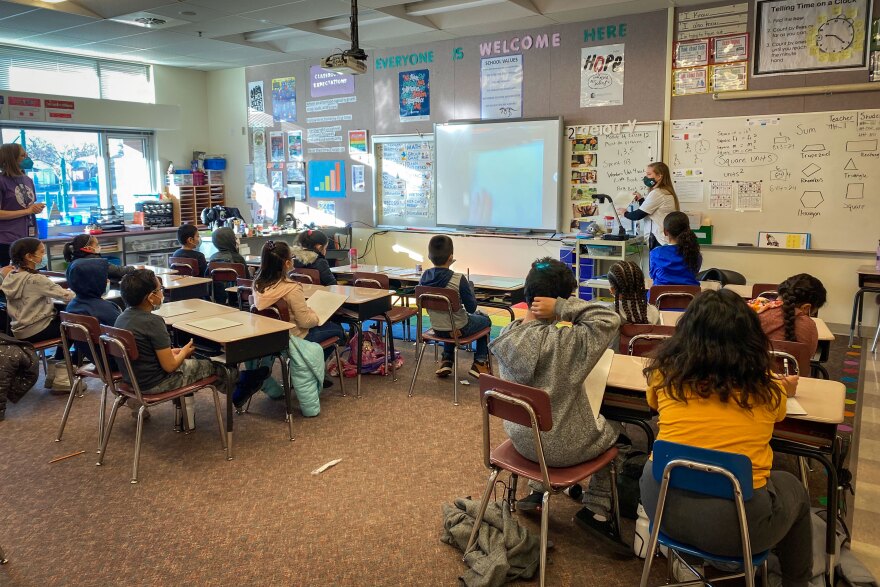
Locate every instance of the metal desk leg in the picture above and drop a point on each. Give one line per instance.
(360, 358)
(229, 411)
(285, 374)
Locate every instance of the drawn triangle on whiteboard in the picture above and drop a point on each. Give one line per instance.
(851, 165)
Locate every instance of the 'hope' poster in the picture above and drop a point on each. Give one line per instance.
(602, 75)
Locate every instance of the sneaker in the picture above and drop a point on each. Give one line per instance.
(478, 368)
(249, 382)
(605, 531)
(682, 573)
(61, 382)
(534, 502)
(445, 369)
(327, 383)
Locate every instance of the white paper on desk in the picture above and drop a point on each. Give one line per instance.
(794, 408)
(325, 303)
(594, 384)
(171, 311)
(212, 324)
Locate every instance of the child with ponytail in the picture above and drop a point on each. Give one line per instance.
(630, 296)
(86, 246)
(788, 317)
(311, 246)
(678, 262)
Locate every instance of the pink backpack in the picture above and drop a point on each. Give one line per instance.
(372, 360)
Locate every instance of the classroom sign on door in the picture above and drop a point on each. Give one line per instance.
(602, 75)
(415, 95)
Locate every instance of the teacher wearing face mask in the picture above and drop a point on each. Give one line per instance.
(18, 199)
(660, 201)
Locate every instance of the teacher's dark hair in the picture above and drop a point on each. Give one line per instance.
(718, 349)
(9, 155)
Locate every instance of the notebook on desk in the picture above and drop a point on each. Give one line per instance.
(212, 324)
(170, 311)
(794, 408)
(594, 384)
(325, 303)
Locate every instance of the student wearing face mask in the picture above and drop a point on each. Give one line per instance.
(18, 199)
(86, 246)
(660, 201)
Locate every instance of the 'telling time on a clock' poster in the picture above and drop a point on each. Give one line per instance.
(803, 36)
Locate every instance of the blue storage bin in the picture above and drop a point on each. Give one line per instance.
(585, 293)
(42, 228)
(566, 255)
(215, 164)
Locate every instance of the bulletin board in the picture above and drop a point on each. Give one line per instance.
(814, 172)
(404, 180)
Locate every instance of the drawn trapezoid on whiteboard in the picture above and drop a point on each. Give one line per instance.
(813, 147)
(850, 165)
(859, 146)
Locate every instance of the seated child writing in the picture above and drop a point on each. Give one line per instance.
(788, 317)
(467, 320)
(189, 239)
(554, 348)
(678, 262)
(713, 387)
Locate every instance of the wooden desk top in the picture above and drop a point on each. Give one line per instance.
(253, 260)
(822, 399)
(249, 326)
(170, 281)
(409, 275)
(157, 270)
(671, 319)
(356, 295)
(868, 270)
(201, 309)
(58, 280)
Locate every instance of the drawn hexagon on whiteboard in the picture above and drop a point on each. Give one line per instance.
(811, 199)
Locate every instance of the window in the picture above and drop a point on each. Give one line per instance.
(45, 72)
(75, 170)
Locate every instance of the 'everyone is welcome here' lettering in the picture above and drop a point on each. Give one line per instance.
(521, 43)
(407, 60)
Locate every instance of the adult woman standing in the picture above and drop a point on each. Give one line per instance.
(18, 199)
(659, 202)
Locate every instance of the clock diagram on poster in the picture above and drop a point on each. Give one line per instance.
(835, 35)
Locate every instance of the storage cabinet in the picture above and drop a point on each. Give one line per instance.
(592, 257)
(194, 198)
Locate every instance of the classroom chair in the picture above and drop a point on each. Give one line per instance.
(723, 276)
(441, 299)
(223, 274)
(530, 406)
(184, 266)
(280, 311)
(672, 297)
(396, 315)
(56, 274)
(85, 330)
(245, 288)
(765, 290)
(41, 347)
(855, 323)
(303, 275)
(789, 356)
(3, 559)
(711, 473)
(120, 344)
(639, 340)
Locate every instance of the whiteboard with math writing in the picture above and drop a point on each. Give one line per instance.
(812, 172)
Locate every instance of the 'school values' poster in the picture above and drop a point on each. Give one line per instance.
(415, 95)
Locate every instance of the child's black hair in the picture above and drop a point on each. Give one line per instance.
(795, 291)
(628, 282)
(186, 232)
(549, 278)
(74, 249)
(440, 249)
(677, 225)
(21, 248)
(136, 286)
(272, 259)
(718, 349)
(311, 239)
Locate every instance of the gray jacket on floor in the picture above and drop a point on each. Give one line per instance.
(557, 357)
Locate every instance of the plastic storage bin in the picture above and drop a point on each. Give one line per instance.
(215, 164)
(215, 177)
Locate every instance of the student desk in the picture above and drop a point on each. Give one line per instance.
(254, 337)
(179, 287)
(869, 282)
(157, 270)
(491, 291)
(199, 309)
(812, 435)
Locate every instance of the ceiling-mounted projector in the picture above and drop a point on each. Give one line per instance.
(344, 64)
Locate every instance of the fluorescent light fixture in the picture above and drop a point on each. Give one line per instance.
(445, 6)
(341, 23)
(53, 1)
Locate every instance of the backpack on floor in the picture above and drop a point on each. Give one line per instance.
(372, 359)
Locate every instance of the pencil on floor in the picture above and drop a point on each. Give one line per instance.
(67, 456)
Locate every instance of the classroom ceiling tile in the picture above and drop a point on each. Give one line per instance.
(240, 6)
(302, 11)
(189, 12)
(416, 39)
(497, 16)
(383, 3)
(9, 35)
(482, 26)
(113, 8)
(152, 39)
(45, 21)
(224, 26)
(102, 30)
(391, 29)
(49, 41)
(8, 9)
(106, 49)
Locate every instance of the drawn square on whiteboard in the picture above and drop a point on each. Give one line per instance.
(855, 191)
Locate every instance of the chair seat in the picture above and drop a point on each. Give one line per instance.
(346, 314)
(155, 398)
(757, 559)
(326, 344)
(85, 372)
(433, 336)
(507, 457)
(396, 314)
(45, 344)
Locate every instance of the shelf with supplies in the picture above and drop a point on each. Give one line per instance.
(194, 198)
(588, 255)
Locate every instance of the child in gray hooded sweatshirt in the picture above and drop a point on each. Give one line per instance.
(554, 348)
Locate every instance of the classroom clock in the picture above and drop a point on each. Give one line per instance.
(835, 35)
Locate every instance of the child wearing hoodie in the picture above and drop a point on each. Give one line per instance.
(227, 246)
(88, 278)
(86, 246)
(311, 246)
(554, 348)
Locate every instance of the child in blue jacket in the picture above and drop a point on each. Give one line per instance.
(678, 262)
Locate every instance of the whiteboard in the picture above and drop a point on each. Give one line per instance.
(608, 159)
(404, 180)
(813, 172)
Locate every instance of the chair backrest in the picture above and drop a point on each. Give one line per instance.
(245, 288)
(440, 299)
(766, 290)
(786, 352)
(279, 310)
(305, 275)
(702, 470)
(725, 276)
(185, 266)
(649, 336)
(82, 329)
(223, 271)
(371, 280)
(120, 344)
(672, 297)
(242, 282)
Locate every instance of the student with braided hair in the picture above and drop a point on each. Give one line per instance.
(630, 296)
(788, 317)
(678, 262)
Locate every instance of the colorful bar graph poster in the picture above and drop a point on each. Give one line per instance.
(326, 179)
(415, 95)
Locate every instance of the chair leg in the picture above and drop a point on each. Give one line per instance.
(804, 470)
(873, 344)
(137, 441)
(288, 400)
(455, 376)
(219, 417)
(615, 502)
(545, 526)
(419, 355)
(119, 401)
(511, 492)
(102, 415)
(483, 503)
(436, 358)
(765, 574)
(73, 389)
(3, 559)
(339, 369)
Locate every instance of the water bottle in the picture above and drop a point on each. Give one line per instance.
(643, 533)
(353, 258)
